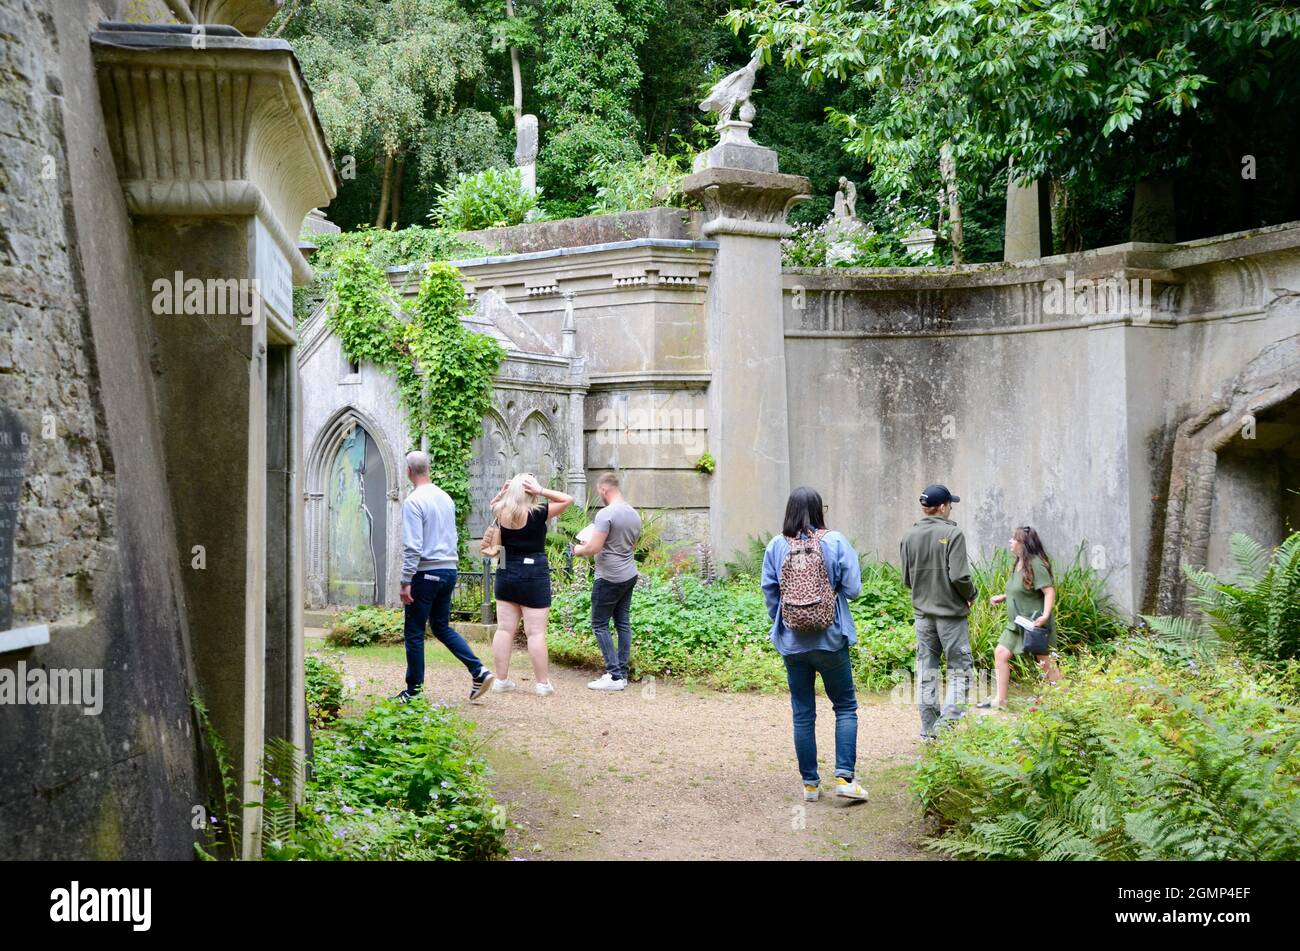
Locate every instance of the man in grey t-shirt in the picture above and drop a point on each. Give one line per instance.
(613, 543)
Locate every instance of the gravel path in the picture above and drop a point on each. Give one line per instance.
(665, 771)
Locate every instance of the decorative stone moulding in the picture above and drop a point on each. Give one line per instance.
(249, 17)
(227, 130)
(545, 289)
(746, 202)
(667, 275)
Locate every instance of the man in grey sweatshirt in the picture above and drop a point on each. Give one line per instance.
(429, 561)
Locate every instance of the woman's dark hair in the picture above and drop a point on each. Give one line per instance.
(803, 513)
(1032, 546)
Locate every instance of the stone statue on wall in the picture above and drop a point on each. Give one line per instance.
(733, 91)
(844, 230)
(846, 199)
(526, 151)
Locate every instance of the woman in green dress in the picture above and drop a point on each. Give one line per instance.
(1031, 593)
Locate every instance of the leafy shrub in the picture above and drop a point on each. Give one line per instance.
(747, 562)
(569, 155)
(632, 185)
(1256, 611)
(401, 781)
(810, 246)
(714, 634)
(382, 248)
(1144, 756)
(325, 692)
(719, 633)
(882, 615)
(366, 624)
(492, 198)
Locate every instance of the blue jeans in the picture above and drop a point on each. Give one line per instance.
(432, 592)
(613, 599)
(801, 672)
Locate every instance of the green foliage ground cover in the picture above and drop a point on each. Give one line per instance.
(1178, 744)
(399, 781)
(325, 691)
(717, 634)
(1145, 754)
(365, 624)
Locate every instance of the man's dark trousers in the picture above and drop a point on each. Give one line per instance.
(432, 592)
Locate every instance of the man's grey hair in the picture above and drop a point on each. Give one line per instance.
(417, 462)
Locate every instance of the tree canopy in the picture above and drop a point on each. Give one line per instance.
(1074, 90)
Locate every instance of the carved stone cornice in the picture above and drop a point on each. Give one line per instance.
(225, 130)
(249, 17)
(746, 202)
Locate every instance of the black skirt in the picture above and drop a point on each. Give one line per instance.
(524, 579)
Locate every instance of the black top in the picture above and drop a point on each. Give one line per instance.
(529, 540)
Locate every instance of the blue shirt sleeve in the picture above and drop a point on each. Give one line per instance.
(850, 569)
(771, 580)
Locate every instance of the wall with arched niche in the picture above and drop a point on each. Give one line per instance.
(520, 434)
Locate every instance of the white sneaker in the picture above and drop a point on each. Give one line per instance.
(606, 682)
(850, 789)
(544, 690)
(503, 686)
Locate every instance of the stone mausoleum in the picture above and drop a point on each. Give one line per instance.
(156, 153)
(1137, 404)
(182, 468)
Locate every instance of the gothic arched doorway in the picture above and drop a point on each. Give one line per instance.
(356, 526)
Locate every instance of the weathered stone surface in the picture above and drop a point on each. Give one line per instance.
(526, 140)
(247, 16)
(675, 223)
(1022, 238)
(929, 368)
(96, 555)
(14, 448)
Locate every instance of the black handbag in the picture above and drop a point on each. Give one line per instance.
(1036, 639)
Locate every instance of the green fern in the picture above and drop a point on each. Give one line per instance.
(282, 784)
(1256, 613)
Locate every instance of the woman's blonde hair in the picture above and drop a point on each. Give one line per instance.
(514, 507)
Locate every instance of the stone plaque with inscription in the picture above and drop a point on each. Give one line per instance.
(14, 445)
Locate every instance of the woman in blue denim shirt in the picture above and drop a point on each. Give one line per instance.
(825, 652)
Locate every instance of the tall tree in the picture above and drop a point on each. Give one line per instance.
(383, 72)
(1070, 89)
(587, 83)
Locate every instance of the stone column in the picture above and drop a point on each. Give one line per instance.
(526, 151)
(745, 201)
(1028, 233)
(576, 477)
(221, 157)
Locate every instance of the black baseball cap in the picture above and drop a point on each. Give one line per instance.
(933, 495)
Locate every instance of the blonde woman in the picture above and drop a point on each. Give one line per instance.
(523, 586)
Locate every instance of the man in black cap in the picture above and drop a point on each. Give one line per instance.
(935, 568)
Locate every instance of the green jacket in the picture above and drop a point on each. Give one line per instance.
(935, 568)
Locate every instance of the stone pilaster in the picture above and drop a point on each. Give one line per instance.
(745, 202)
(220, 158)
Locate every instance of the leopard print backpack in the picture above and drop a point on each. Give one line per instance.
(807, 598)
